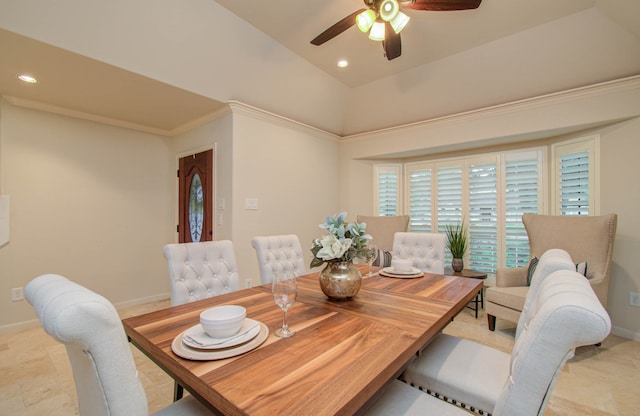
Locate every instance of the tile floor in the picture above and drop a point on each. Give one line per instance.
(36, 379)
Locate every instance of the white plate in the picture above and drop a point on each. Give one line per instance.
(384, 272)
(391, 270)
(184, 351)
(248, 330)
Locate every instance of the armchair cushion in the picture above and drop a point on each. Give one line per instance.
(510, 297)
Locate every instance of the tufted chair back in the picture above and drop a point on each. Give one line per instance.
(426, 250)
(565, 314)
(277, 254)
(201, 270)
(551, 260)
(103, 368)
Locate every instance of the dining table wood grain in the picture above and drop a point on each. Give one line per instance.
(343, 352)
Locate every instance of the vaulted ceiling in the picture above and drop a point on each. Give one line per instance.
(461, 60)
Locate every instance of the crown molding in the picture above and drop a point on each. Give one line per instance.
(255, 112)
(36, 105)
(594, 90)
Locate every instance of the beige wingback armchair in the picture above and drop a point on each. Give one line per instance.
(587, 239)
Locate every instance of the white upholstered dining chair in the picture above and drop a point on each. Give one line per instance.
(104, 371)
(565, 313)
(426, 250)
(277, 254)
(201, 270)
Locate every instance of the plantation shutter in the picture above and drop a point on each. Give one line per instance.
(387, 198)
(574, 184)
(420, 193)
(449, 199)
(575, 173)
(483, 218)
(522, 178)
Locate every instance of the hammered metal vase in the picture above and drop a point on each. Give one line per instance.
(340, 280)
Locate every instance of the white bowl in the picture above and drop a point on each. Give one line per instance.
(223, 321)
(402, 265)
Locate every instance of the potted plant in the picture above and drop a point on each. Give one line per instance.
(457, 243)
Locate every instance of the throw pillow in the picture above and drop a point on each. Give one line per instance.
(533, 263)
(383, 259)
(582, 268)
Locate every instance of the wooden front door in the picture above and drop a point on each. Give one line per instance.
(195, 193)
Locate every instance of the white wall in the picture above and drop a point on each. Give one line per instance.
(611, 110)
(89, 201)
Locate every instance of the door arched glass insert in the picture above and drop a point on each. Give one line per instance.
(196, 208)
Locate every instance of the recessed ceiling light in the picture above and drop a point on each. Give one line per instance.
(343, 63)
(27, 78)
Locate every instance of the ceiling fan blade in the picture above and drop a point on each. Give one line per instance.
(392, 45)
(443, 5)
(336, 29)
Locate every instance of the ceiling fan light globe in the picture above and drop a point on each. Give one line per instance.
(389, 9)
(377, 32)
(399, 22)
(365, 20)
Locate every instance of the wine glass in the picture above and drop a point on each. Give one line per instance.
(371, 255)
(285, 292)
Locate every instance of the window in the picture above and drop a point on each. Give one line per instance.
(522, 189)
(449, 199)
(575, 172)
(387, 190)
(491, 192)
(483, 216)
(420, 191)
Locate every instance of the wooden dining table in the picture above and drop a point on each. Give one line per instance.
(342, 354)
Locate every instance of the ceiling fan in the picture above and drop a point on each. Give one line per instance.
(384, 20)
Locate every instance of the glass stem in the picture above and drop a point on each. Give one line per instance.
(285, 325)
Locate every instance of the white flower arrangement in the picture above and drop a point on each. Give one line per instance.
(344, 241)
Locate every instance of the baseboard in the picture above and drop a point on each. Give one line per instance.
(19, 326)
(625, 333)
(34, 323)
(140, 301)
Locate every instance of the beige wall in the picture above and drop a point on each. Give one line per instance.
(217, 135)
(97, 203)
(292, 170)
(89, 201)
(76, 186)
(614, 108)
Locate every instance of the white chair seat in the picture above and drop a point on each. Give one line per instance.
(462, 370)
(562, 312)
(401, 399)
